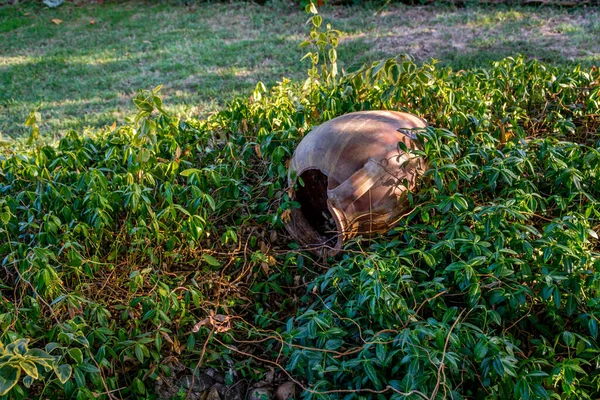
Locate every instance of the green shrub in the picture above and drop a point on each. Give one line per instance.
(488, 288)
(115, 245)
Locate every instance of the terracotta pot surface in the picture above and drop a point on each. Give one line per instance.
(354, 175)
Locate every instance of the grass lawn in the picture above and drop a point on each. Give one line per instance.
(82, 69)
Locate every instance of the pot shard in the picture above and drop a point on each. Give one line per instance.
(353, 178)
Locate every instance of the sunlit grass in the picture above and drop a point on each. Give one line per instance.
(84, 70)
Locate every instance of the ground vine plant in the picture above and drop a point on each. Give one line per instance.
(159, 244)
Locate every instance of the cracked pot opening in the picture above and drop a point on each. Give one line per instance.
(313, 203)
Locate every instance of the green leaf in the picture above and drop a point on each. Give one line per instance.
(77, 355)
(210, 260)
(210, 201)
(480, 350)
(498, 366)
(537, 374)
(568, 338)
(317, 20)
(85, 367)
(9, 376)
(40, 356)
(29, 368)
(63, 372)
(429, 259)
(380, 352)
(18, 347)
(371, 373)
(593, 327)
(332, 55)
(52, 345)
(191, 342)
(138, 386)
(81, 340)
(394, 74)
(556, 297)
(28, 381)
(190, 171)
(522, 389)
(79, 377)
(460, 203)
(540, 391)
(139, 352)
(333, 344)
(5, 215)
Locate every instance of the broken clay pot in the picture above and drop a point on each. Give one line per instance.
(353, 178)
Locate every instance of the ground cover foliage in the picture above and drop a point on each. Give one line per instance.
(160, 243)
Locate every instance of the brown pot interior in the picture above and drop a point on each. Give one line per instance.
(318, 222)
